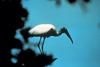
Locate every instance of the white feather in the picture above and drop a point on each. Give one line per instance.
(41, 29)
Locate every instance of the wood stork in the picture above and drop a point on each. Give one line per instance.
(46, 30)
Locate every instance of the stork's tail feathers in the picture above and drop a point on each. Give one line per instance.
(25, 34)
(64, 30)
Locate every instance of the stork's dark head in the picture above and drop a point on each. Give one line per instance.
(64, 30)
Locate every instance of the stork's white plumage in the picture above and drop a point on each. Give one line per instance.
(42, 29)
(47, 30)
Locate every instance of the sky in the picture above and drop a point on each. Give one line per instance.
(81, 24)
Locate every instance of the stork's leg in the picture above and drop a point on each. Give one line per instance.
(39, 44)
(43, 44)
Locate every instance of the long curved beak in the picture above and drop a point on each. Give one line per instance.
(67, 33)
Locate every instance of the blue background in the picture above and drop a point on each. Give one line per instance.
(82, 25)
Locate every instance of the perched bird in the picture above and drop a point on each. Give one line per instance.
(46, 30)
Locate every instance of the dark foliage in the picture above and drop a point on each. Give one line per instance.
(25, 34)
(71, 1)
(86, 1)
(29, 58)
(11, 12)
(58, 2)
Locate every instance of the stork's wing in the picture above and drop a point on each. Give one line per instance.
(67, 33)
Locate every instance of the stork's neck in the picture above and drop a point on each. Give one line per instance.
(59, 33)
